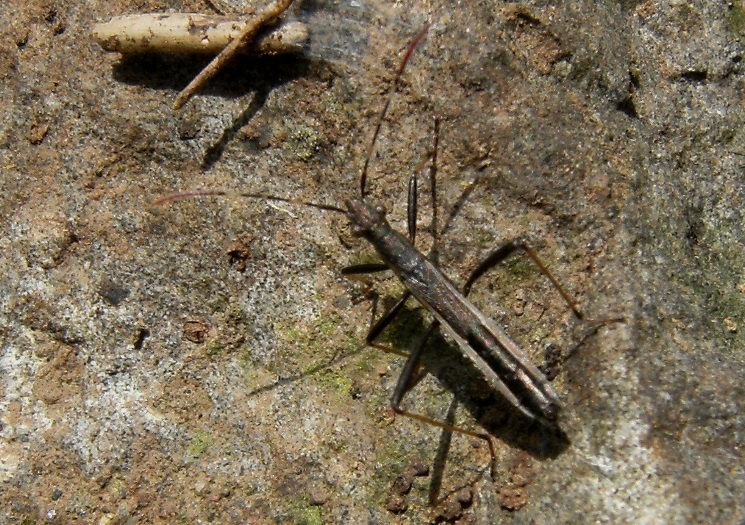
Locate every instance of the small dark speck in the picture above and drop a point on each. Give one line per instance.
(57, 494)
(112, 292)
(139, 339)
(238, 253)
(51, 15)
(355, 392)
(189, 129)
(694, 76)
(628, 107)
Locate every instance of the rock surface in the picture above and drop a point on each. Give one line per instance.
(203, 361)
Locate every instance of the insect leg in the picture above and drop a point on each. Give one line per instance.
(406, 380)
(505, 251)
(357, 272)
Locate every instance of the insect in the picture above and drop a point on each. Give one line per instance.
(493, 353)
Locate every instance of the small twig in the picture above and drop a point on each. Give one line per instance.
(261, 19)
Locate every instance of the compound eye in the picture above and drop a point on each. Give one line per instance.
(357, 230)
(380, 209)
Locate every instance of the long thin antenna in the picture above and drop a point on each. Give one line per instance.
(394, 88)
(221, 193)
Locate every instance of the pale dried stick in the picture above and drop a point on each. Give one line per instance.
(193, 33)
(257, 22)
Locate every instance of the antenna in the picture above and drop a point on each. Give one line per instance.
(221, 193)
(409, 51)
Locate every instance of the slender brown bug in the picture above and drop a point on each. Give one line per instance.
(500, 361)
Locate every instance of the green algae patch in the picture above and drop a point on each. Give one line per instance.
(736, 16)
(199, 444)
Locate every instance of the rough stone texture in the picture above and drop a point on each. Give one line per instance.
(203, 362)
